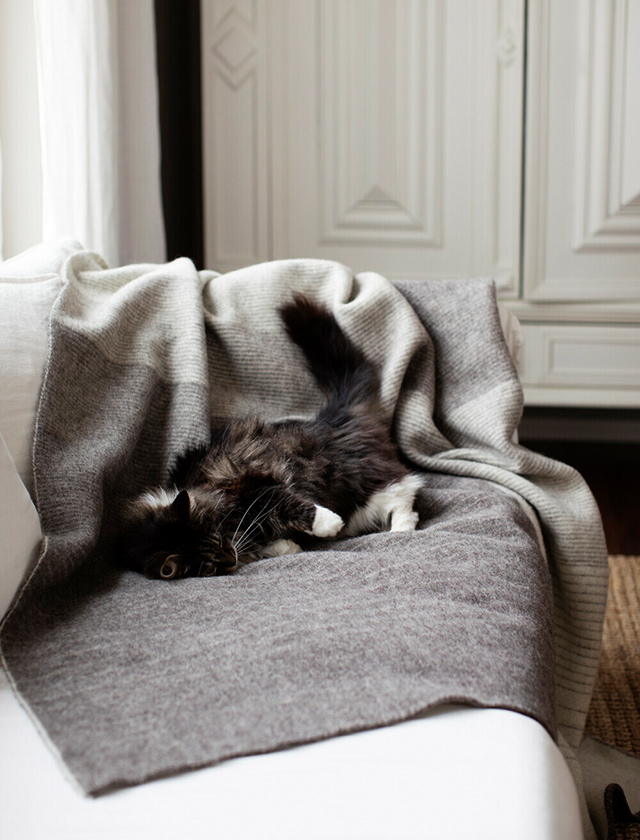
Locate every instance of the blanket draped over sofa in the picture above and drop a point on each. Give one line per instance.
(133, 678)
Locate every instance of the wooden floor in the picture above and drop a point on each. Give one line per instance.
(612, 471)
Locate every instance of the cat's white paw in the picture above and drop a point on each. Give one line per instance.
(326, 523)
(279, 548)
(404, 520)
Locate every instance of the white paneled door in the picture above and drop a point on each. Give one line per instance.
(386, 134)
(582, 240)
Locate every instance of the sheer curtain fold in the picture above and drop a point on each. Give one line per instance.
(99, 126)
(1, 225)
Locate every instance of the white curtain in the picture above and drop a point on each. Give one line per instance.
(1, 225)
(98, 97)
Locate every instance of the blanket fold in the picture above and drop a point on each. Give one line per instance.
(132, 678)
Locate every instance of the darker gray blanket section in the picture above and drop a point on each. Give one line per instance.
(132, 678)
(137, 678)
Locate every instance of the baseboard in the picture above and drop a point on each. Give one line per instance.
(576, 424)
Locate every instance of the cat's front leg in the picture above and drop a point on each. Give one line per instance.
(283, 513)
(326, 523)
(402, 496)
(298, 514)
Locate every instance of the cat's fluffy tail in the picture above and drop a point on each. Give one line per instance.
(339, 366)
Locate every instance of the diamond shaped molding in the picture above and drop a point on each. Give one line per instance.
(234, 48)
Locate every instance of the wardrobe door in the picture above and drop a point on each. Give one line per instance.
(581, 293)
(582, 212)
(386, 134)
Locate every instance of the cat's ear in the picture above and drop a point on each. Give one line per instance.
(181, 506)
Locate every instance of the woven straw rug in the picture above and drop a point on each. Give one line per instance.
(614, 715)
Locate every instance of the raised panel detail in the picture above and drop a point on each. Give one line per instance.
(380, 72)
(607, 206)
(397, 135)
(578, 358)
(235, 133)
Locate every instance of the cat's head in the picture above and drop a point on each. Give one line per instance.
(170, 535)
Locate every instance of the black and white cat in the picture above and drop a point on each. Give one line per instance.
(269, 488)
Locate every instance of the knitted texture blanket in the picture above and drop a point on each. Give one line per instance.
(132, 678)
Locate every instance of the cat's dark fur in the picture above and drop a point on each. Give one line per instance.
(262, 488)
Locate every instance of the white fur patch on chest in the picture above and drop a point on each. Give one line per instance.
(390, 509)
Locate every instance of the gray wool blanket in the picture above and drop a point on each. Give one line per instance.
(132, 678)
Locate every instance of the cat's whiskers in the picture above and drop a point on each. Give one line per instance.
(223, 520)
(257, 499)
(247, 535)
(247, 538)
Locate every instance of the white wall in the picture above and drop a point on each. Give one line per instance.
(19, 130)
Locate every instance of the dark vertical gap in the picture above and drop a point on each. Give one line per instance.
(179, 82)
